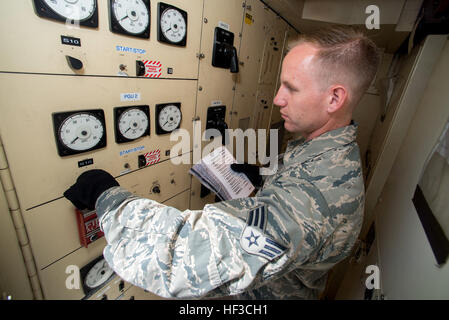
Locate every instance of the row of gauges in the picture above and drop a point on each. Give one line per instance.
(129, 17)
(82, 131)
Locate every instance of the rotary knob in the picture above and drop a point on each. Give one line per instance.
(156, 189)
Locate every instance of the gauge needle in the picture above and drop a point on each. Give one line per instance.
(124, 18)
(128, 129)
(165, 123)
(74, 140)
(168, 30)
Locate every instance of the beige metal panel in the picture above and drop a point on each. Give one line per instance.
(52, 228)
(112, 290)
(53, 278)
(256, 24)
(215, 84)
(35, 45)
(272, 51)
(266, 113)
(289, 35)
(136, 293)
(196, 202)
(180, 201)
(171, 179)
(39, 173)
(264, 103)
(13, 275)
(407, 102)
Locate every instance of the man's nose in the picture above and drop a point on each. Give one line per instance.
(280, 100)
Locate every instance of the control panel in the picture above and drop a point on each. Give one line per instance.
(91, 37)
(106, 85)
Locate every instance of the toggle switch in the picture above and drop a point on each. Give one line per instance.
(74, 63)
(140, 68)
(142, 161)
(156, 189)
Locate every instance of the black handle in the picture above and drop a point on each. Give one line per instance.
(234, 61)
(74, 63)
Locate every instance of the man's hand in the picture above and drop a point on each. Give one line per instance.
(88, 187)
(251, 171)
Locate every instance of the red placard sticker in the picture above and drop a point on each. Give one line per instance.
(88, 227)
(153, 69)
(152, 157)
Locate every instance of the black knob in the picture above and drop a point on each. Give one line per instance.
(142, 161)
(74, 63)
(156, 189)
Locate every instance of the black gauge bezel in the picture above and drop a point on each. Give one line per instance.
(58, 120)
(161, 7)
(115, 26)
(44, 11)
(118, 111)
(83, 274)
(161, 106)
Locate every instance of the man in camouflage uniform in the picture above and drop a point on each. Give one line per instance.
(305, 218)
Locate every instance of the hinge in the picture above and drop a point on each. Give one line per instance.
(17, 219)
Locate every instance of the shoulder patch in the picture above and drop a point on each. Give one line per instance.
(254, 240)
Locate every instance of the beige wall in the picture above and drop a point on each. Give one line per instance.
(408, 267)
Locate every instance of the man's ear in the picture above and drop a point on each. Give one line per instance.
(337, 98)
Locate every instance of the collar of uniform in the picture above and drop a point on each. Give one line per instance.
(300, 151)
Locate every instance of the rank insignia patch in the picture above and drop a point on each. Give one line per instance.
(253, 239)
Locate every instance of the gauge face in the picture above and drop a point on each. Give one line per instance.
(172, 25)
(78, 10)
(98, 274)
(130, 17)
(83, 12)
(81, 132)
(133, 123)
(168, 118)
(77, 132)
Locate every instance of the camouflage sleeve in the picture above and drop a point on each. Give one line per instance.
(224, 249)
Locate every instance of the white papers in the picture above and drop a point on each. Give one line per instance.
(214, 172)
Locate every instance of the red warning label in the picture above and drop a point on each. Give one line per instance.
(153, 69)
(152, 157)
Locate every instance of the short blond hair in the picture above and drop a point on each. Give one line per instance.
(344, 53)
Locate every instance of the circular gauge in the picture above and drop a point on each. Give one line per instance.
(132, 15)
(169, 118)
(133, 124)
(98, 274)
(78, 10)
(81, 131)
(173, 25)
